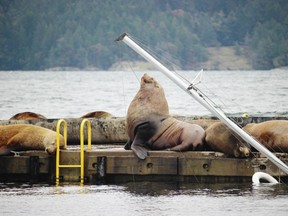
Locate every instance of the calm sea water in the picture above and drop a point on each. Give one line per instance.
(144, 199)
(72, 94)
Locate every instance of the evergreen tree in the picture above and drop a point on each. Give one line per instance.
(40, 34)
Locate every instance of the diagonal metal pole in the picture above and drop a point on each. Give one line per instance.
(202, 100)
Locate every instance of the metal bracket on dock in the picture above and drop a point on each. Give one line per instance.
(16, 154)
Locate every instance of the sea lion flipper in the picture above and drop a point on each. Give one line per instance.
(143, 134)
(138, 145)
(139, 150)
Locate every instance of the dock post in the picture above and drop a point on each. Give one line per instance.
(101, 169)
(34, 169)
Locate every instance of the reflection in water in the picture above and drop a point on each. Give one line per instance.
(216, 190)
(153, 198)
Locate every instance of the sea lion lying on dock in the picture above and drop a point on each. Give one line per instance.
(149, 125)
(27, 116)
(22, 137)
(204, 123)
(272, 134)
(97, 114)
(161, 132)
(220, 138)
(178, 136)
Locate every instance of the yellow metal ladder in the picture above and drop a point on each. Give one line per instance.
(81, 165)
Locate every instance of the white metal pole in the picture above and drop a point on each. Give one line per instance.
(201, 99)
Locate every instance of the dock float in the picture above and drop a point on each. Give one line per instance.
(108, 162)
(113, 164)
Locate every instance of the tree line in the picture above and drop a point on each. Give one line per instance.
(41, 34)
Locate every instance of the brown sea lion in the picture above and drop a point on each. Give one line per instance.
(161, 132)
(27, 116)
(97, 114)
(149, 125)
(150, 99)
(220, 138)
(204, 123)
(272, 134)
(178, 136)
(22, 137)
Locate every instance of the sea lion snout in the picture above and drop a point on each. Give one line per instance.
(146, 80)
(243, 151)
(50, 143)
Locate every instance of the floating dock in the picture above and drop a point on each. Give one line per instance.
(108, 162)
(112, 164)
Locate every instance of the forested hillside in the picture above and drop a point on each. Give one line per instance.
(41, 34)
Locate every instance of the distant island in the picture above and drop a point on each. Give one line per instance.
(192, 34)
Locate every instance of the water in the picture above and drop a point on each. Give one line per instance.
(72, 94)
(144, 199)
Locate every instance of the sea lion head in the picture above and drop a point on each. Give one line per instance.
(147, 81)
(50, 143)
(220, 138)
(242, 150)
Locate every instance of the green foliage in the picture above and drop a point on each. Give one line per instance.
(269, 38)
(40, 34)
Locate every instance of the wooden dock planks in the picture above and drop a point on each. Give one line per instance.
(123, 165)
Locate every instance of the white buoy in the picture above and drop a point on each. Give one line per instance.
(261, 175)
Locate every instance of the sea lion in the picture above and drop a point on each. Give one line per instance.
(220, 138)
(150, 99)
(149, 125)
(162, 132)
(204, 123)
(272, 134)
(178, 136)
(97, 114)
(27, 116)
(22, 137)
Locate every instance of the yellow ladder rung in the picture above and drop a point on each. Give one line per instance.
(81, 165)
(69, 166)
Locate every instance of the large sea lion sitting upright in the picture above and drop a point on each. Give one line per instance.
(220, 138)
(150, 99)
(272, 134)
(150, 126)
(21, 137)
